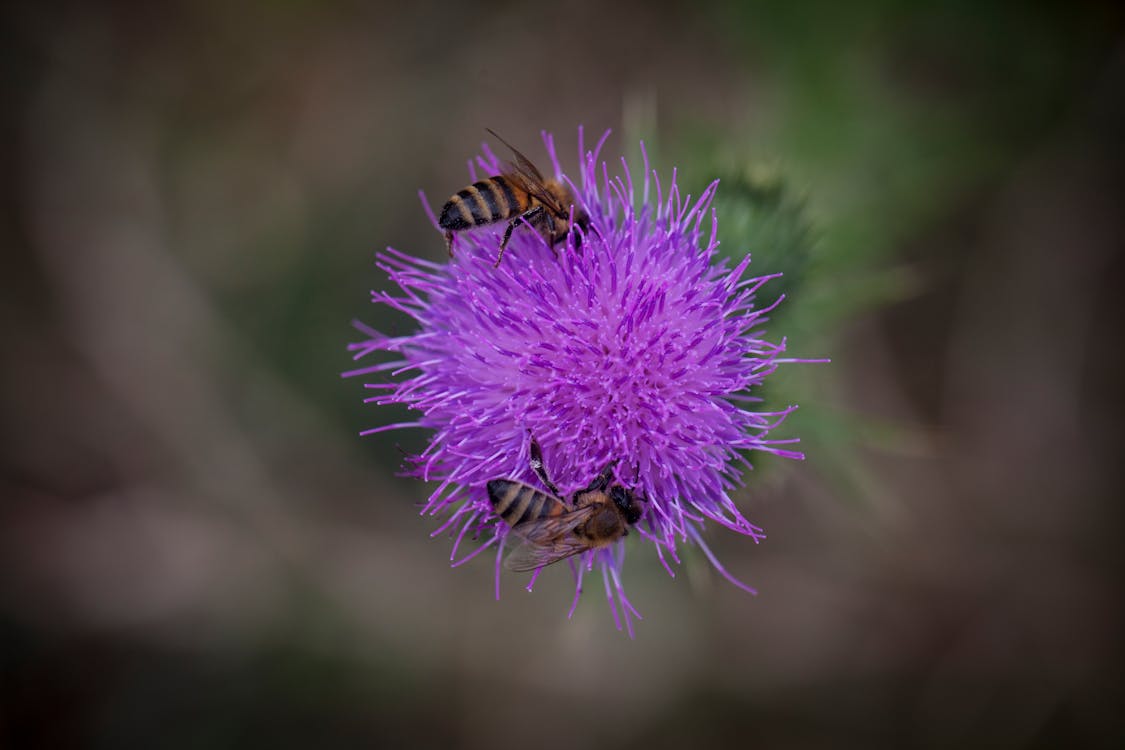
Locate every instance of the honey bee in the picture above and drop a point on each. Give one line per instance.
(520, 194)
(550, 529)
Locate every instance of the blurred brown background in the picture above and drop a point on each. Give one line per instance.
(197, 551)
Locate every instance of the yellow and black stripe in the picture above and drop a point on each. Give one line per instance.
(518, 503)
(483, 202)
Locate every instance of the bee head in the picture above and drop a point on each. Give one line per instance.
(627, 502)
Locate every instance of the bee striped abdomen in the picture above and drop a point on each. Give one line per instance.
(509, 201)
(518, 503)
(483, 202)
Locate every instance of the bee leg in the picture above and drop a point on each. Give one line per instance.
(529, 217)
(504, 242)
(553, 237)
(449, 243)
(601, 481)
(541, 470)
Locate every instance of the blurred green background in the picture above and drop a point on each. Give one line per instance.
(196, 550)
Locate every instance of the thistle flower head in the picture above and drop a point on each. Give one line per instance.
(632, 343)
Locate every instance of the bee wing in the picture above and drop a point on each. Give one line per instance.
(528, 557)
(548, 540)
(528, 176)
(523, 164)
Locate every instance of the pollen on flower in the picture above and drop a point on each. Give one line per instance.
(632, 343)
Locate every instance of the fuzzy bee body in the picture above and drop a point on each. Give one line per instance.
(549, 528)
(520, 194)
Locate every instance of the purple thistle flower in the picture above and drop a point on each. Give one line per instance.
(632, 344)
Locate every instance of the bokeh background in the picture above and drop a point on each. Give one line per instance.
(197, 551)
